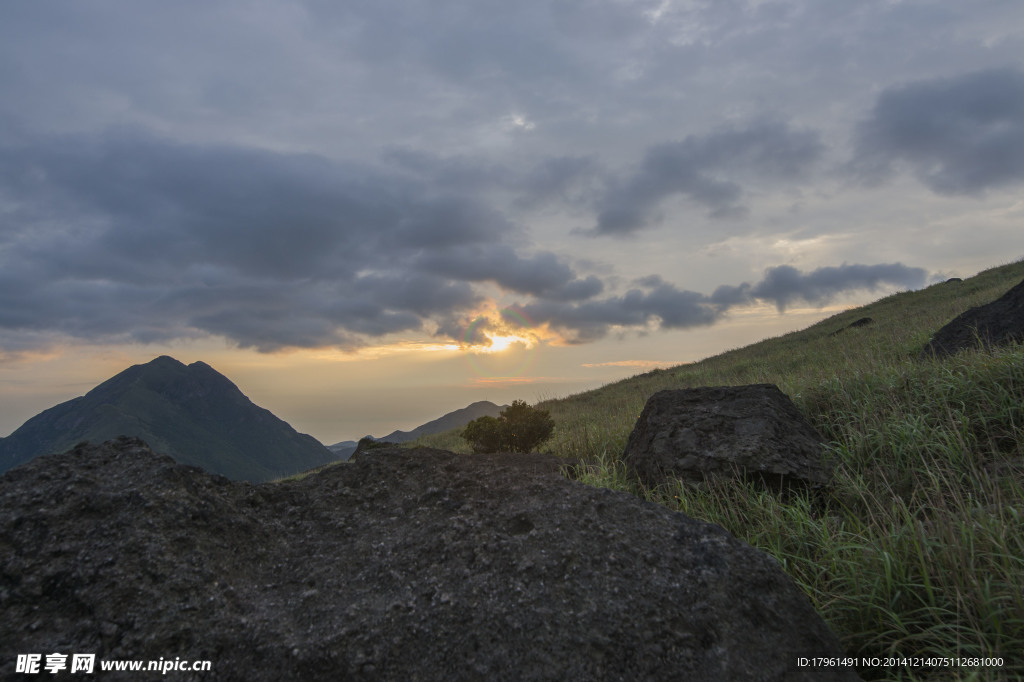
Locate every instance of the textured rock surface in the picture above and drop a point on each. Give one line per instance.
(998, 322)
(413, 565)
(750, 430)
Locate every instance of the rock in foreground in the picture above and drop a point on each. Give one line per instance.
(754, 431)
(413, 565)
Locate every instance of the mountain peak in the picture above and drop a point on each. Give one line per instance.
(193, 413)
(163, 361)
(480, 404)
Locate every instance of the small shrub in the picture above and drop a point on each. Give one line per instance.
(486, 434)
(519, 428)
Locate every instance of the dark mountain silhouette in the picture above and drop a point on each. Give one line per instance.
(192, 413)
(452, 420)
(345, 448)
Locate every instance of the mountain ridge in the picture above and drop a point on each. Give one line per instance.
(191, 412)
(452, 420)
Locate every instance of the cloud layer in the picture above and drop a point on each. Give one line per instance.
(656, 304)
(139, 237)
(307, 174)
(959, 135)
(703, 169)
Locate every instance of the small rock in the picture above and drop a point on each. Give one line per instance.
(862, 322)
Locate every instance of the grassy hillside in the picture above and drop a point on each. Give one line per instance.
(919, 548)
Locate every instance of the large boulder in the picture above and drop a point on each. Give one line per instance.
(410, 564)
(751, 431)
(996, 323)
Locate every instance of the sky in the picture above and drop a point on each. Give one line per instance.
(367, 214)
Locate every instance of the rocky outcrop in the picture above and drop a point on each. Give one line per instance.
(410, 564)
(753, 431)
(996, 323)
(369, 444)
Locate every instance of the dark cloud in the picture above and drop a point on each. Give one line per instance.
(578, 289)
(567, 180)
(130, 235)
(662, 306)
(505, 38)
(783, 285)
(139, 238)
(706, 170)
(543, 274)
(415, 292)
(572, 180)
(417, 199)
(659, 304)
(466, 172)
(136, 198)
(961, 135)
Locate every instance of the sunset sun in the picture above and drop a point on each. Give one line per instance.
(502, 343)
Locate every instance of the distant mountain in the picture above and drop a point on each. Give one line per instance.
(193, 413)
(345, 448)
(452, 420)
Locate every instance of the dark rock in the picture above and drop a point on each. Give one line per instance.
(369, 444)
(410, 564)
(754, 431)
(953, 280)
(862, 322)
(997, 323)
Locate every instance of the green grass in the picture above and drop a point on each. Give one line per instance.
(449, 440)
(918, 547)
(316, 470)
